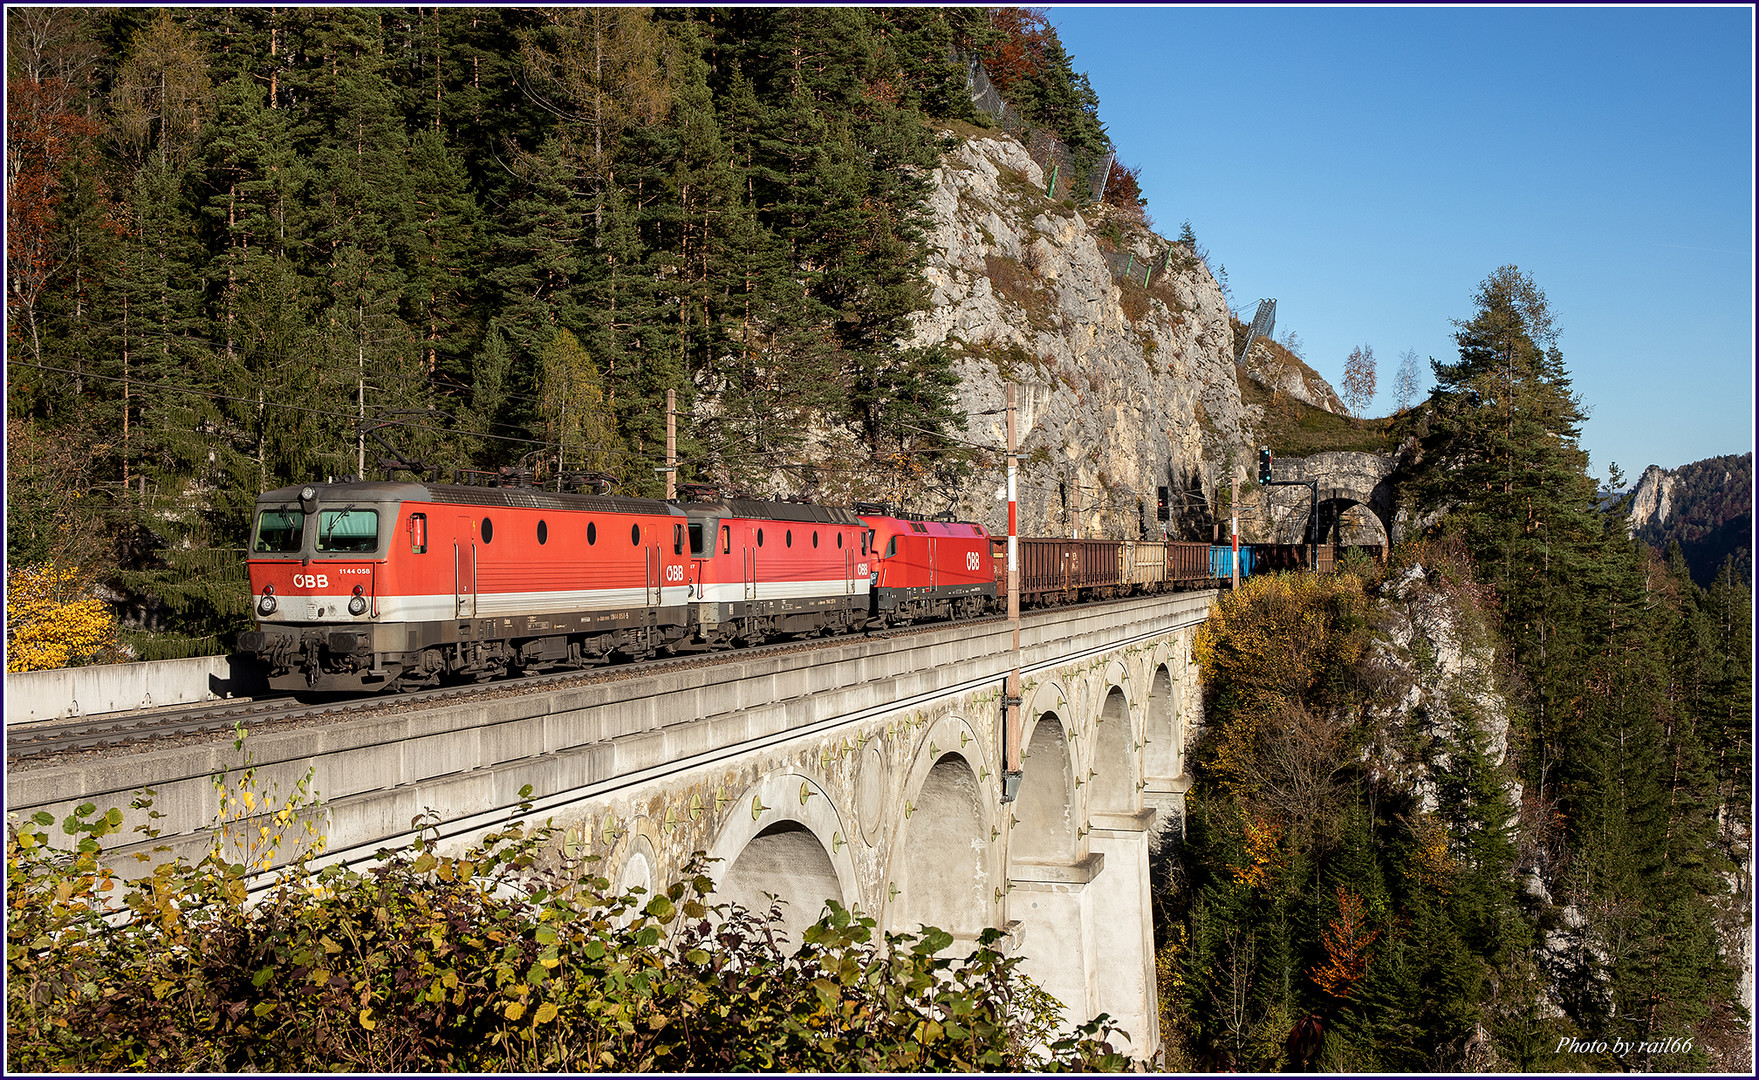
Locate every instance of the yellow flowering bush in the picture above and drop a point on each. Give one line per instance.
(53, 620)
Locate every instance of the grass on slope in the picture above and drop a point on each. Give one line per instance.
(1297, 429)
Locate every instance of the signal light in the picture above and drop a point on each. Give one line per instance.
(1264, 464)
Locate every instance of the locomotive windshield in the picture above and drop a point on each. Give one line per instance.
(279, 532)
(348, 530)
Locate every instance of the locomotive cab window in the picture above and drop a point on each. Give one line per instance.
(677, 539)
(348, 530)
(891, 547)
(726, 540)
(279, 532)
(418, 533)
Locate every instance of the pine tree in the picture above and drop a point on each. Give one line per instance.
(1501, 456)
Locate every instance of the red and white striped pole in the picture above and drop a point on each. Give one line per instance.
(1012, 727)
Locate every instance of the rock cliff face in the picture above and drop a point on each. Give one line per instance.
(1123, 388)
(1707, 506)
(1652, 501)
(1282, 372)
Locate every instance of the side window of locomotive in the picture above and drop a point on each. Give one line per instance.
(678, 539)
(418, 533)
(348, 530)
(696, 551)
(726, 540)
(891, 547)
(279, 532)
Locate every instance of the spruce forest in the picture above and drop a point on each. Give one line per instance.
(1486, 806)
(239, 236)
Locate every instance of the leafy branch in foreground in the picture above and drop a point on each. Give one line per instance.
(499, 958)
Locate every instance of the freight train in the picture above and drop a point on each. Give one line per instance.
(362, 586)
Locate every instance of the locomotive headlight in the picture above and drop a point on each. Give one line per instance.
(266, 606)
(357, 606)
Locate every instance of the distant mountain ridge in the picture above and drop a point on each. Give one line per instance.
(1707, 506)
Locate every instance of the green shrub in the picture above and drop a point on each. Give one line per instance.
(500, 959)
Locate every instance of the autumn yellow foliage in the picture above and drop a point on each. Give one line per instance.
(1433, 868)
(53, 620)
(1262, 856)
(1277, 639)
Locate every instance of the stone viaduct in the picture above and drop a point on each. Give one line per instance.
(865, 772)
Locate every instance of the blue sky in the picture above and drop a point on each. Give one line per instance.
(1368, 167)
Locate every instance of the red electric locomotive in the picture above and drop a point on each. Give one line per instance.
(761, 568)
(929, 569)
(364, 585)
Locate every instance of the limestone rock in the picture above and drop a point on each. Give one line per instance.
(1282, 372)
(1652, 501)
(1122, 389)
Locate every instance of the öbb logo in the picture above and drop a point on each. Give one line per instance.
(311, 581)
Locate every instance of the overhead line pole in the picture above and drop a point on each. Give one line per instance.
(1012, 726)
(1234, 522)
(671, 445)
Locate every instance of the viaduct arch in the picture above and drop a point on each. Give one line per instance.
(904, 820)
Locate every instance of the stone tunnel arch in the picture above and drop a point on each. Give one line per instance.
(1045, 806)
(1343, 527)
(945, 875)
(1114, 759)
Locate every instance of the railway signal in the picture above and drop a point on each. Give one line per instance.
(1264, 466)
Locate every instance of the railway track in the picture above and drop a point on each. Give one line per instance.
(39, 740)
